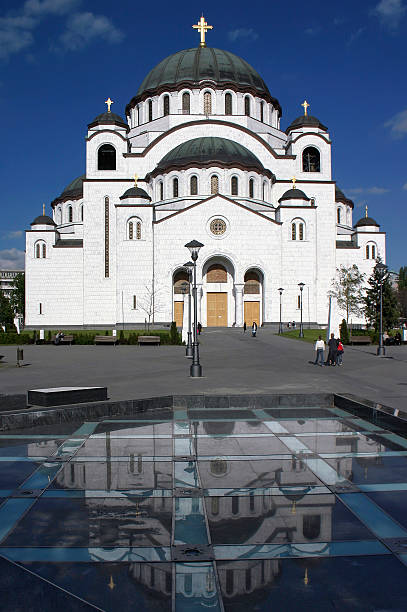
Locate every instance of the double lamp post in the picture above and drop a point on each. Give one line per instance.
(196, 369)
(280, 326)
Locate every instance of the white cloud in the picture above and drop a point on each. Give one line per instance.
(242, 33)
(12, 259)
(390, 13)
(83, 28)
(398, 124)
(355, 35)
(49, 7)
(13, 234)
(370, 190)
(405, 186)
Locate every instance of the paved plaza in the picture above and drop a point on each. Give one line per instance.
(233, 362)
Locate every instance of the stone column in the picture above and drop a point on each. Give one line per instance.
(239, 315)
(185, 318)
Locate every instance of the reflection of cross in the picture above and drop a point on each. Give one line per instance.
(111, 583)
(305, 105)
(135, 180)
(294, 181)
(109, 103)
(202, 27)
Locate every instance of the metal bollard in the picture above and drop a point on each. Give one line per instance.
(20, 357)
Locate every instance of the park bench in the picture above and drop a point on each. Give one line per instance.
(67, 339)
(105, 340)
(149, 340)
(360, 340)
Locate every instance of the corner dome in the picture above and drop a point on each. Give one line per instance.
(341, 197)
(306, 121)
(210, 151)
(43, 220)
(73, 191)
(135, 192)
(366, 221)
(108, 119)
(194, 67)
(294, 194)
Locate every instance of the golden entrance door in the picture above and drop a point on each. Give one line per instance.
(178, 313)
(252, 313)
(217, 309)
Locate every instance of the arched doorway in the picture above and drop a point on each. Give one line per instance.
(180, 287)
(217, 279)
(253, 285)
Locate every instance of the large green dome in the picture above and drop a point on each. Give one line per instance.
(194, 67)
(210, 151)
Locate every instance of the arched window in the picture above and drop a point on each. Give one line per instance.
(82, 212)
(301, 231)
(234, 186)
(311, 526)
(228, 104)
(131, 230)
(186, 103)
(216, 274)
(214, 184)
(175, 188)
(247, 106)
(138, 115)
(251, 283)
(134, 229)
(107, 157)
(194, 185)
(70, 214)
(161, 190)
(311, 160)
(59, 216)
(293, 231)
(262, 111)
(264, 191)
(371, 251)
(180, 279)
(251, 188)
(166, 105)
(235, 504)
(40, 250)
(297, 230)
(150, 110)
(338, 215)
(207, 103)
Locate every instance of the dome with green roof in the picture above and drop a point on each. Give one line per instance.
(208, 151)
(199, 66)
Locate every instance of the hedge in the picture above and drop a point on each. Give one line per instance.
(87, 337)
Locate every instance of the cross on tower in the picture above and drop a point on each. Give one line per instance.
(305, 105)
(43, 210)
(109, 103)
(294, 181)
(202, 27)
(366, 211)
(135, 180)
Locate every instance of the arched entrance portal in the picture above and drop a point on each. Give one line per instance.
(180, 286)
(253, 285)
(218, 278)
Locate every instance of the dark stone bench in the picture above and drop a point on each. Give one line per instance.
(66, 395)
(105, 340)
(360, 340)
(67, 339)
(149, 340)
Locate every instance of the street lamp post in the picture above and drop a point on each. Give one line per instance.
(280, 327)
(382, 271)
(301, 286)
(196, 369)
(188, 351)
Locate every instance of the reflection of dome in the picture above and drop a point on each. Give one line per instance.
(210, 151)
(203, 65)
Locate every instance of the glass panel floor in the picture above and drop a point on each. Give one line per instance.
(272, 509)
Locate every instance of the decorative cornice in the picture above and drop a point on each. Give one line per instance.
(291, 142)
(103, 132)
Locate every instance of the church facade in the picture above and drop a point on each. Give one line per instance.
(200, 155)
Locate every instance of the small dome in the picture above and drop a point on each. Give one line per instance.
(210, 151)
(73, 191)
(341, 197)
(43, 220)
(366, 221)
(294, 194)
(306, 121)
(135, 192)
(109, 119)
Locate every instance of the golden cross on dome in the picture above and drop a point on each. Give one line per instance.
(43, 210)
(294, 180)
(202, 27)
(109, 103)
(135, 180)
(366, 211)
(305, 105)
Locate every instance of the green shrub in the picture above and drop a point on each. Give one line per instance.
(175, 336)
(344, 334)
(122, 339)
(83, 338)
(14, 338)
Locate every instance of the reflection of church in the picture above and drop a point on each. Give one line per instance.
(204, 138)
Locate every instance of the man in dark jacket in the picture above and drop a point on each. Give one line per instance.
(333, 349)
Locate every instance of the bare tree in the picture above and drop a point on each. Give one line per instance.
(151, 303)
(348, 289)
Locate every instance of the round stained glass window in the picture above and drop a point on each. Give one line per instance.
(218, 227)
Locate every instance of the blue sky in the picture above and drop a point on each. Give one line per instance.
(60, 59)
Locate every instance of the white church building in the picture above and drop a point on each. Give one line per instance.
(200, 155)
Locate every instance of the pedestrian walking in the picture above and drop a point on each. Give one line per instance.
(199, 328)
(244, 327)
(339, 354)
(319, 349)
(254, 329)
(332, 352)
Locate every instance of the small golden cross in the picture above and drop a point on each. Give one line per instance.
(294, 181)
(305, 105)
(366, 211)
(43, 210)
(135, 180)
(202, 27)
(109, 103)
